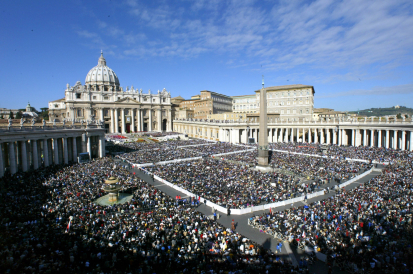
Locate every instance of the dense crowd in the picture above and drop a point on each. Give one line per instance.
(50, 224)
(364, 153)
(174, 150)
(312, 168)
(369, 227)
(234, 185)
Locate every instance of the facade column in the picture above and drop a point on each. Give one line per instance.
(169, 122)
(328, 135)
(1, 161)
(122, 114)
(35, 154)
(372, 137)
(139, 128)
(132, 120)
(74, 149)
(334, 132)
(112, 121)
(387, 138)
(45, 153)
(55, 151)
(89, 146)
(116, 120)
(316, 135)
(159, 114)
(12, 158)
(24, 156)
(101, 114)
(150, 120)
(309, 135)
(65, 151)
(403, 145)
(101, 146)
(364, 137)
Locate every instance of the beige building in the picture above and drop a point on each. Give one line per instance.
(121, 110)
(327, 113)
(207, 103)
(291, 102)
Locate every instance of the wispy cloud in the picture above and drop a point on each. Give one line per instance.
(400, 89)
(326, 34)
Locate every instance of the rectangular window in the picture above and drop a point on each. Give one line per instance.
(94, 97)
(78, 95)
(106, 98)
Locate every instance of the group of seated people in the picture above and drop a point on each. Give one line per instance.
(50, 224)
(369, 227)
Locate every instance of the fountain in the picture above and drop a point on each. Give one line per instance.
(113, 197)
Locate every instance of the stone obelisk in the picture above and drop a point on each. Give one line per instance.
(263, 138)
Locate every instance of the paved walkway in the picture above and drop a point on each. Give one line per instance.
(248, 231)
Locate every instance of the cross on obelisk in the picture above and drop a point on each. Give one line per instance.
(263, 138)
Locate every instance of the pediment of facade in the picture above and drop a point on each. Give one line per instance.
(127, 100)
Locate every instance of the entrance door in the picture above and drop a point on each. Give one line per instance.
(128, 128)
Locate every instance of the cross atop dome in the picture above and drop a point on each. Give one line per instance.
(101, 61)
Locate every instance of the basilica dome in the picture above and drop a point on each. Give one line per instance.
(102, 74)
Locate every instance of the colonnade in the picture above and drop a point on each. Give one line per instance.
(21, 151)
(386, 135)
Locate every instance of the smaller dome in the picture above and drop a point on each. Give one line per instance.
(102, 74)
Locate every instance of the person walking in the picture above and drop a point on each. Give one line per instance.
(233, 225)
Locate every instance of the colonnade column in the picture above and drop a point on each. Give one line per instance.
(364, 137)
(353, 137)
(122, 114)
(387, 138)
(372, 137)
(315, 135)
(139, 119)
(335, 132)
(1, 161)
(328, 136)
(12, 158)
(132, 113)
(24, 156)
(309, 135)
(411, 141)
(74, 148)
(116, 120)
(379, 138)
(45, 152)
(112, 120)
(340, 137)
(321, 136)
(65, 151)
(35, 154)
(403, 146)
(292, 135)
(55, 151)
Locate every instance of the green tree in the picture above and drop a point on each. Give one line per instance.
(19, 115)
(1, 116)
(11, 115)
(398, 116)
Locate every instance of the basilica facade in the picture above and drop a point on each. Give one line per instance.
(102, 98)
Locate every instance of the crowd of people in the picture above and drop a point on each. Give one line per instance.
(369, 227)
(50, 224)
(174, 150)
(378, 154)
(304, 166)
(235, 185)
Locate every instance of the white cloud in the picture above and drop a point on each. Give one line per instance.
(400, 89)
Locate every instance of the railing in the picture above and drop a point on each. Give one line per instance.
(46, 128)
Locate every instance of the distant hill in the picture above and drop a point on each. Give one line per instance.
(383, 111)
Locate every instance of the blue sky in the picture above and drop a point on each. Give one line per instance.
(357, 53)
